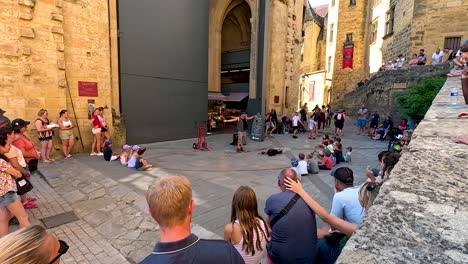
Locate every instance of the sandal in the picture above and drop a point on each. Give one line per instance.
(51, 160)
(46, 161)
(29, 205)
(31, 199)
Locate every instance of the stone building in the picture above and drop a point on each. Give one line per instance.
(47, 48)
(411, 25)
(148, 63)
(347, 47)
(313, 90)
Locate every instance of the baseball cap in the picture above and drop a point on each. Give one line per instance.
(18, 123)
(126, 146)
(343, 175)
(2, 111)
(135, 147)
(242, 113)
(107, 142)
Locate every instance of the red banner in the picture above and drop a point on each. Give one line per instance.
(87, 89)
(311, 91)
(348, 52)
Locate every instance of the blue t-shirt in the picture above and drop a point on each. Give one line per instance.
(294, 236)
(138, 163)
(347, 155)
(194, 250)
(346, 205)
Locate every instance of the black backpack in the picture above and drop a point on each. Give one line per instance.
(273, 152)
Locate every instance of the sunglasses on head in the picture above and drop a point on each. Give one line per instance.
(62, 250)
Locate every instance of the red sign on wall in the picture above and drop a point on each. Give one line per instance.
(87, 89)
(348, 52)
(276, 99)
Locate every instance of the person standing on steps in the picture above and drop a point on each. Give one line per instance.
(242, 128)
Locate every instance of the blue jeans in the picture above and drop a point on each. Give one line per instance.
(327, 253)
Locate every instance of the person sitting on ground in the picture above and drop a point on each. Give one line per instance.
(346, 206)
(125, 155)
(329, 252)
(414, 60)
(171, 205)
(4, 121)
(247, 231)
(325, 141)
(384, 129)
(109, 155)
(326, 163)
(312, 163)
(140, 163)
(347, 156)
(458, 61)
(330, 146)
(302, 165)
(133, 157)
(298, 224)
(33, 244)
(338, 152)
(422, 58)
(403, 124)
(387, 163)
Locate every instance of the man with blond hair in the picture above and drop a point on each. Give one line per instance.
(171, 205)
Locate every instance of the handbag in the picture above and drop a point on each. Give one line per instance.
(23, 186)
(32, 165)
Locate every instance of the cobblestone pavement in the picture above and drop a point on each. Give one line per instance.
(114, 225)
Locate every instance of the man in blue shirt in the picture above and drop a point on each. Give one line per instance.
(171, 205)
(294, 236)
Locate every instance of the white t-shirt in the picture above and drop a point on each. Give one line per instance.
(16, 153)
(346, 205)
(437, 58)
(311, 124)
(302, 167)
(295, 120)
(399, 62)
(131, 162)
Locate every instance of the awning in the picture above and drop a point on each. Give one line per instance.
(236, 97)
(216, 96)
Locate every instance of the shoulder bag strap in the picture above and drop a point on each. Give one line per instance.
(285, 210)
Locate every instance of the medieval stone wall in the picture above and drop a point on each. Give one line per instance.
(436, 20)
(46, 47)
(398, 42)
(352, 20)
(380, 92)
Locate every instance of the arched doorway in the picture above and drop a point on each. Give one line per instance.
(235, 55)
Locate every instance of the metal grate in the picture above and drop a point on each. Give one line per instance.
(60, 219)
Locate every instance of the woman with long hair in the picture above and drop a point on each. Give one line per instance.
(247, 231)
(66, 133)
(96, 129)
(388, 162)
(10, 204)
(45, 134)
(104, 128)
(31, 245)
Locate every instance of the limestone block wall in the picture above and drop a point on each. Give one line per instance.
(399, 41)
(421, 211)
(428, 31)
(380, 92)
(285, 38)
(351, 20)
(46, 46)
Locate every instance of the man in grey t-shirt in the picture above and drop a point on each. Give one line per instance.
(362, 120)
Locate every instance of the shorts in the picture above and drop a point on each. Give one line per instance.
(361, 122)
(66, 134)
(8, 198)
(339, 125)
(295, 127)
(270, 125)
(96, 130)
(374, 125)
(45, 138)
(103, 129)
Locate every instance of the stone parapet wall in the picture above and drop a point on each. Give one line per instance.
(380, 92)
(420, 215)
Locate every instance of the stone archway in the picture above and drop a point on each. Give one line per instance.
(219, 9)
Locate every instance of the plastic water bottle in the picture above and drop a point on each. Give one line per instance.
(454, 96)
